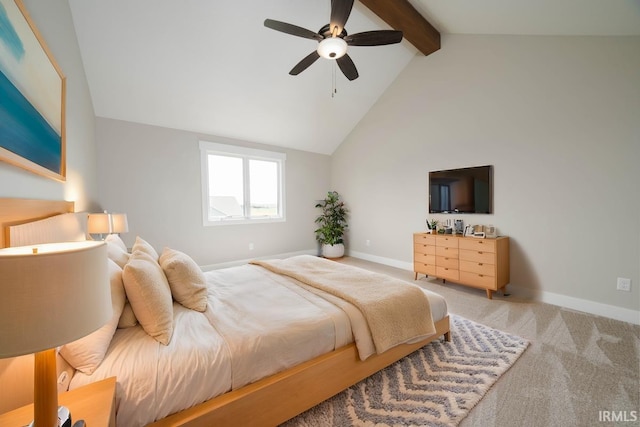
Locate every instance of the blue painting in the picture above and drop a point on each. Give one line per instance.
(31, 97)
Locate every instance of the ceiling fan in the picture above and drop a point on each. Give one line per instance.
(333, 39)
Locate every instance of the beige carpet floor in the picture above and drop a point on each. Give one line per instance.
(580, 369)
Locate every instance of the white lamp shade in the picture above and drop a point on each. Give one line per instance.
(52, 297)
(119, 223)
(332, 48)
(99, 223)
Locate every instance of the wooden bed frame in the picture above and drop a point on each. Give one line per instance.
(272, 400)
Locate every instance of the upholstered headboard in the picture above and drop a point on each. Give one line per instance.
(20, 211)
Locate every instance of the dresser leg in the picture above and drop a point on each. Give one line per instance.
(489, 294)
(416, 276)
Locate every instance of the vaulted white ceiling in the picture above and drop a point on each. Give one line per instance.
(211, 67)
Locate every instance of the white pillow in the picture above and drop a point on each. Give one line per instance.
(87, 353)
(149, 295)
(117, 254)
(116, 240)
(127, 318)
(186, 280)
(142, 245)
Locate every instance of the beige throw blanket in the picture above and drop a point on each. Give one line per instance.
(396, 311)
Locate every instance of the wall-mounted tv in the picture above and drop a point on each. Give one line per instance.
(466, 190)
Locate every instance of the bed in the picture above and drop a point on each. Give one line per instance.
(275, 378)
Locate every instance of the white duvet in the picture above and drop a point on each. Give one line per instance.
(257, 323)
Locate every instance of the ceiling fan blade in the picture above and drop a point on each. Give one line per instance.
(374, 38)
(340, 11)
(347, 67)
(305, 63)
(294, 30)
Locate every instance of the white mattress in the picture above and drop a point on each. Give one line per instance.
(267, 322)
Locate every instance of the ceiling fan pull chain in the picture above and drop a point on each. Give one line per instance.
(334, 90)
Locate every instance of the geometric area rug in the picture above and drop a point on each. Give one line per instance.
(436, 385)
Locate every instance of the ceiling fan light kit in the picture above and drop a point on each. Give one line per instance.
(332, 48)
(333, 39)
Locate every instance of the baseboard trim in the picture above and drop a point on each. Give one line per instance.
(382, 260)
(578, 304)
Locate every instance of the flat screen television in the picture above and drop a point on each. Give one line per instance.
(466, 190)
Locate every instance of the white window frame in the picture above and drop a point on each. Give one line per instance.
(207, 148)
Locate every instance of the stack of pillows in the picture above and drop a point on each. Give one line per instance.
(143, 287)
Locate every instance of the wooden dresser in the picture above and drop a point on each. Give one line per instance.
(481, 263)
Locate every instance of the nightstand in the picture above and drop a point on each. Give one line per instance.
(94, 403)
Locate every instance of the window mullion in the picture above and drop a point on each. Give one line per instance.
(247, 187)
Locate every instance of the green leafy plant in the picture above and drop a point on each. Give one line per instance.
(332, 222)
(433, 223)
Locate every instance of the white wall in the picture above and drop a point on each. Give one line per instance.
(53, 20)
(153, 175)
(559, 118)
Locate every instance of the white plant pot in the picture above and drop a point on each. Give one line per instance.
(333, 251)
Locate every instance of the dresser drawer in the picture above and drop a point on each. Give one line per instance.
(484, 245)
(424, 268)
(424, 249)
(447, 241)
(447, 262)
(478, 280)
(478, 268)
(447, 252)
(424, 239)
(424, 258)
(477, 256)
(447, 273)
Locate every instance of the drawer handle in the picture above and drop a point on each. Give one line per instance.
(479, 252)
(480, 264)
(480, 275)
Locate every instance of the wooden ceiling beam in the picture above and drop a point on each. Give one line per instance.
(402, 16)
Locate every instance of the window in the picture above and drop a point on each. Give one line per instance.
(241, 185)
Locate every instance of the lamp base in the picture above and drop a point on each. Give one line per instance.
(64, 417)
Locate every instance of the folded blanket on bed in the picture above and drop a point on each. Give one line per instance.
(396, 311)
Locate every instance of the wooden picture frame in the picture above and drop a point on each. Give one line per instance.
(32, 97)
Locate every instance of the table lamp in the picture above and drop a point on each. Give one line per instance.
(107, 223)
(52, 294)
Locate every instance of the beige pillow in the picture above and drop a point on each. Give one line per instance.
(127, 318)
(186, 280)
(149, 295)
(116, 240)
(117, 254)
(142, 245)
(87, 353)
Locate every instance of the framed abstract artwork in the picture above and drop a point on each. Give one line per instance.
(32, 97)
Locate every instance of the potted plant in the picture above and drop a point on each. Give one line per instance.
(332, 223)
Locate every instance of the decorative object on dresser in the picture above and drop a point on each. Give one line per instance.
(432, 225)
(38, 285)
(332, 223)
(481, 263)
